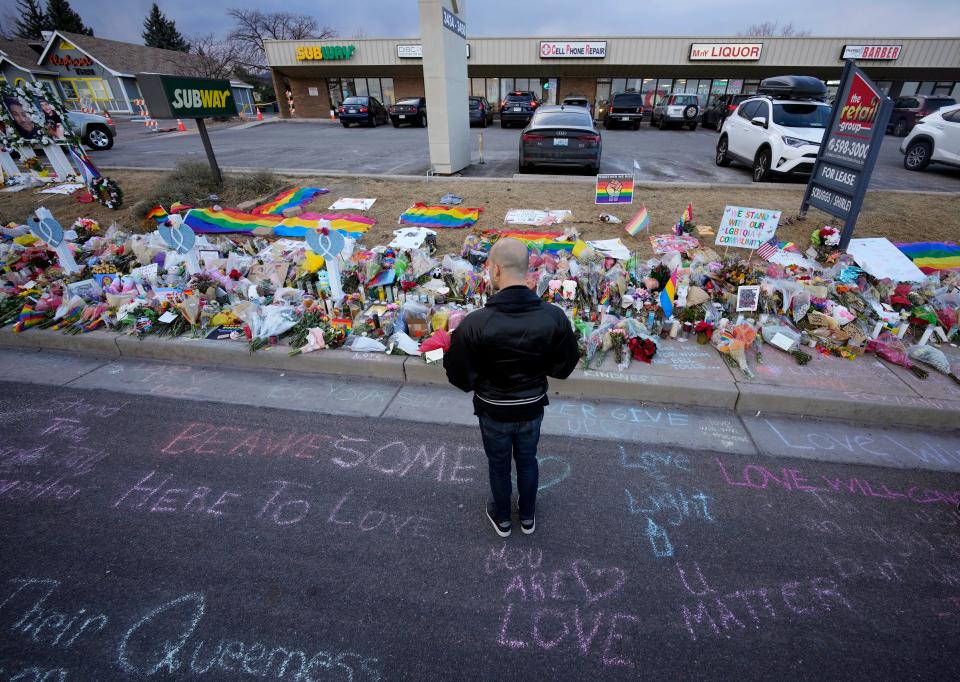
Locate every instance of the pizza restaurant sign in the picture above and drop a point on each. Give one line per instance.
(741, 52)
(70, 62)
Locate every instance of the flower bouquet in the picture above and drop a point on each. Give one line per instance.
(893, 350)
(732, 344)
(825, 240)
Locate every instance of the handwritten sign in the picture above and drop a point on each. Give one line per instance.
(746, 228)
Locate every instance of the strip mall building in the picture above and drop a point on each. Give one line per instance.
(319, 74)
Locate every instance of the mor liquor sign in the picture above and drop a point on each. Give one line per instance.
(849, 150)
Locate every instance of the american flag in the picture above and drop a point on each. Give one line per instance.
(768, 249)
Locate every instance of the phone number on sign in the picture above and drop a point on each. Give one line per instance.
(857, 150)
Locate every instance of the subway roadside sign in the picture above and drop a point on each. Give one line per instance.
(179, 97)
(849, 150)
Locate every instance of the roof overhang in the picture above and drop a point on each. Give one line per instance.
(56, 35)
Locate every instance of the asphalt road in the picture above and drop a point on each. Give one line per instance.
(670, 156)
(156, 538)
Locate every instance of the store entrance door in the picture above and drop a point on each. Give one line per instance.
(548, 88)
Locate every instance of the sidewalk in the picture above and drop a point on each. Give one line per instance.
(865, 390)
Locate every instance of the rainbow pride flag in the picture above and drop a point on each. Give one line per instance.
(668, 294)
(544, 242)
(28, 318)
(353, 226)
(638, 223)
(685, 217)
(298, 196)
(932, 257)
(229, 220)
(614, 189)
(422, 215)
(158, 214)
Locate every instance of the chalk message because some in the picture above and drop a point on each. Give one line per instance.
(746, 228)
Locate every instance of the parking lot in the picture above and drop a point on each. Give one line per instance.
(667, 156)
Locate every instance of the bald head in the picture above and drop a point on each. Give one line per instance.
(507, 263)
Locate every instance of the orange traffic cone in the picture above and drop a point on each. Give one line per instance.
(259, 114)
(180, 127)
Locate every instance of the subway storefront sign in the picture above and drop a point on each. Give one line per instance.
(177, 97)
(316, 53)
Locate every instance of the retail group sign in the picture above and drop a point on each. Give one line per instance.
(849, 150)
(564, 49)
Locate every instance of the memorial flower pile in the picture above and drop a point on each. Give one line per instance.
(370, 298)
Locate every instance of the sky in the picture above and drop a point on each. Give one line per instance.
(122, 20)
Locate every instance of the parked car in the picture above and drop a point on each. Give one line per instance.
(561, 136)
(481, 113)
(624, 108)
(907, 111)
(682, 108)
(776, 135)
(94, 130)
(720, 107)
(576, 101)
(358, 110)
(518, 107)
(412, 110)
(935, 139)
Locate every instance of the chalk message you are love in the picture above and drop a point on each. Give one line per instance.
(169, 639)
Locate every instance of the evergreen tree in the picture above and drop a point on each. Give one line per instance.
(158, 31)
(61, 17)
(32, 20)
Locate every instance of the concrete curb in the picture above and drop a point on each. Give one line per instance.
(523, 179)
(745, 398)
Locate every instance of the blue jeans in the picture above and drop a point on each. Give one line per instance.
(501, 441)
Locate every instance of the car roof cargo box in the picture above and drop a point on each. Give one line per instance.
(793, 87)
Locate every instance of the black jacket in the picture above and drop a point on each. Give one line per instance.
(505, 351)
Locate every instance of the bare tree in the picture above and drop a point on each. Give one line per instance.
(359, 34)
(8, 23)
(773, 29)
(252, 27)
(216, 58)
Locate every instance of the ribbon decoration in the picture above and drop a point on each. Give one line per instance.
(328, 243)
(50, 231)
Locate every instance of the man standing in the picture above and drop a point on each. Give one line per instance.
(504, 354)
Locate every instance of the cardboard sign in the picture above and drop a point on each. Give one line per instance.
(614, 189)
(746, 228)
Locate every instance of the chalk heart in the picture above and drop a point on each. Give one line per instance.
(48, 229)
(550, 462)
(598, 583)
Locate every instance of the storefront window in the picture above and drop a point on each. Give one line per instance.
(943, 88)
(347, 88)
(749, 87)
(69, 90)
(703, 89)
(926, 88)
(680, 85)
(956, 92)
(373, 87)
(649, 89)
(493, 93)
(909, 88)
(735, 87)
(506, 85)
(550, 90)
(664, 85)
(885, 86)
(361, 87)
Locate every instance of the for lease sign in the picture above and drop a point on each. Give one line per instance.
(573, 49)
(741, 52)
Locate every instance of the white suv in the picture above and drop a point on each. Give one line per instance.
(774, 136)
(936, 138)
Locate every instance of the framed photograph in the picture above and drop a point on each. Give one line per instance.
(748, 298)
(20, 117)
(53, 122)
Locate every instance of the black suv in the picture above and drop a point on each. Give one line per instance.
(518, 107)
(412, 110)
(908, 110)
(720, 107)
(626, 109)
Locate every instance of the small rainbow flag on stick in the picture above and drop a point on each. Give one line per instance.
(297, 196)
(440, 216)
(668, 294)
(158, 214)
(685, 217)
(638, 223)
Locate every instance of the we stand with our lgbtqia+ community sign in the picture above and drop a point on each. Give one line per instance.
(746, 228)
